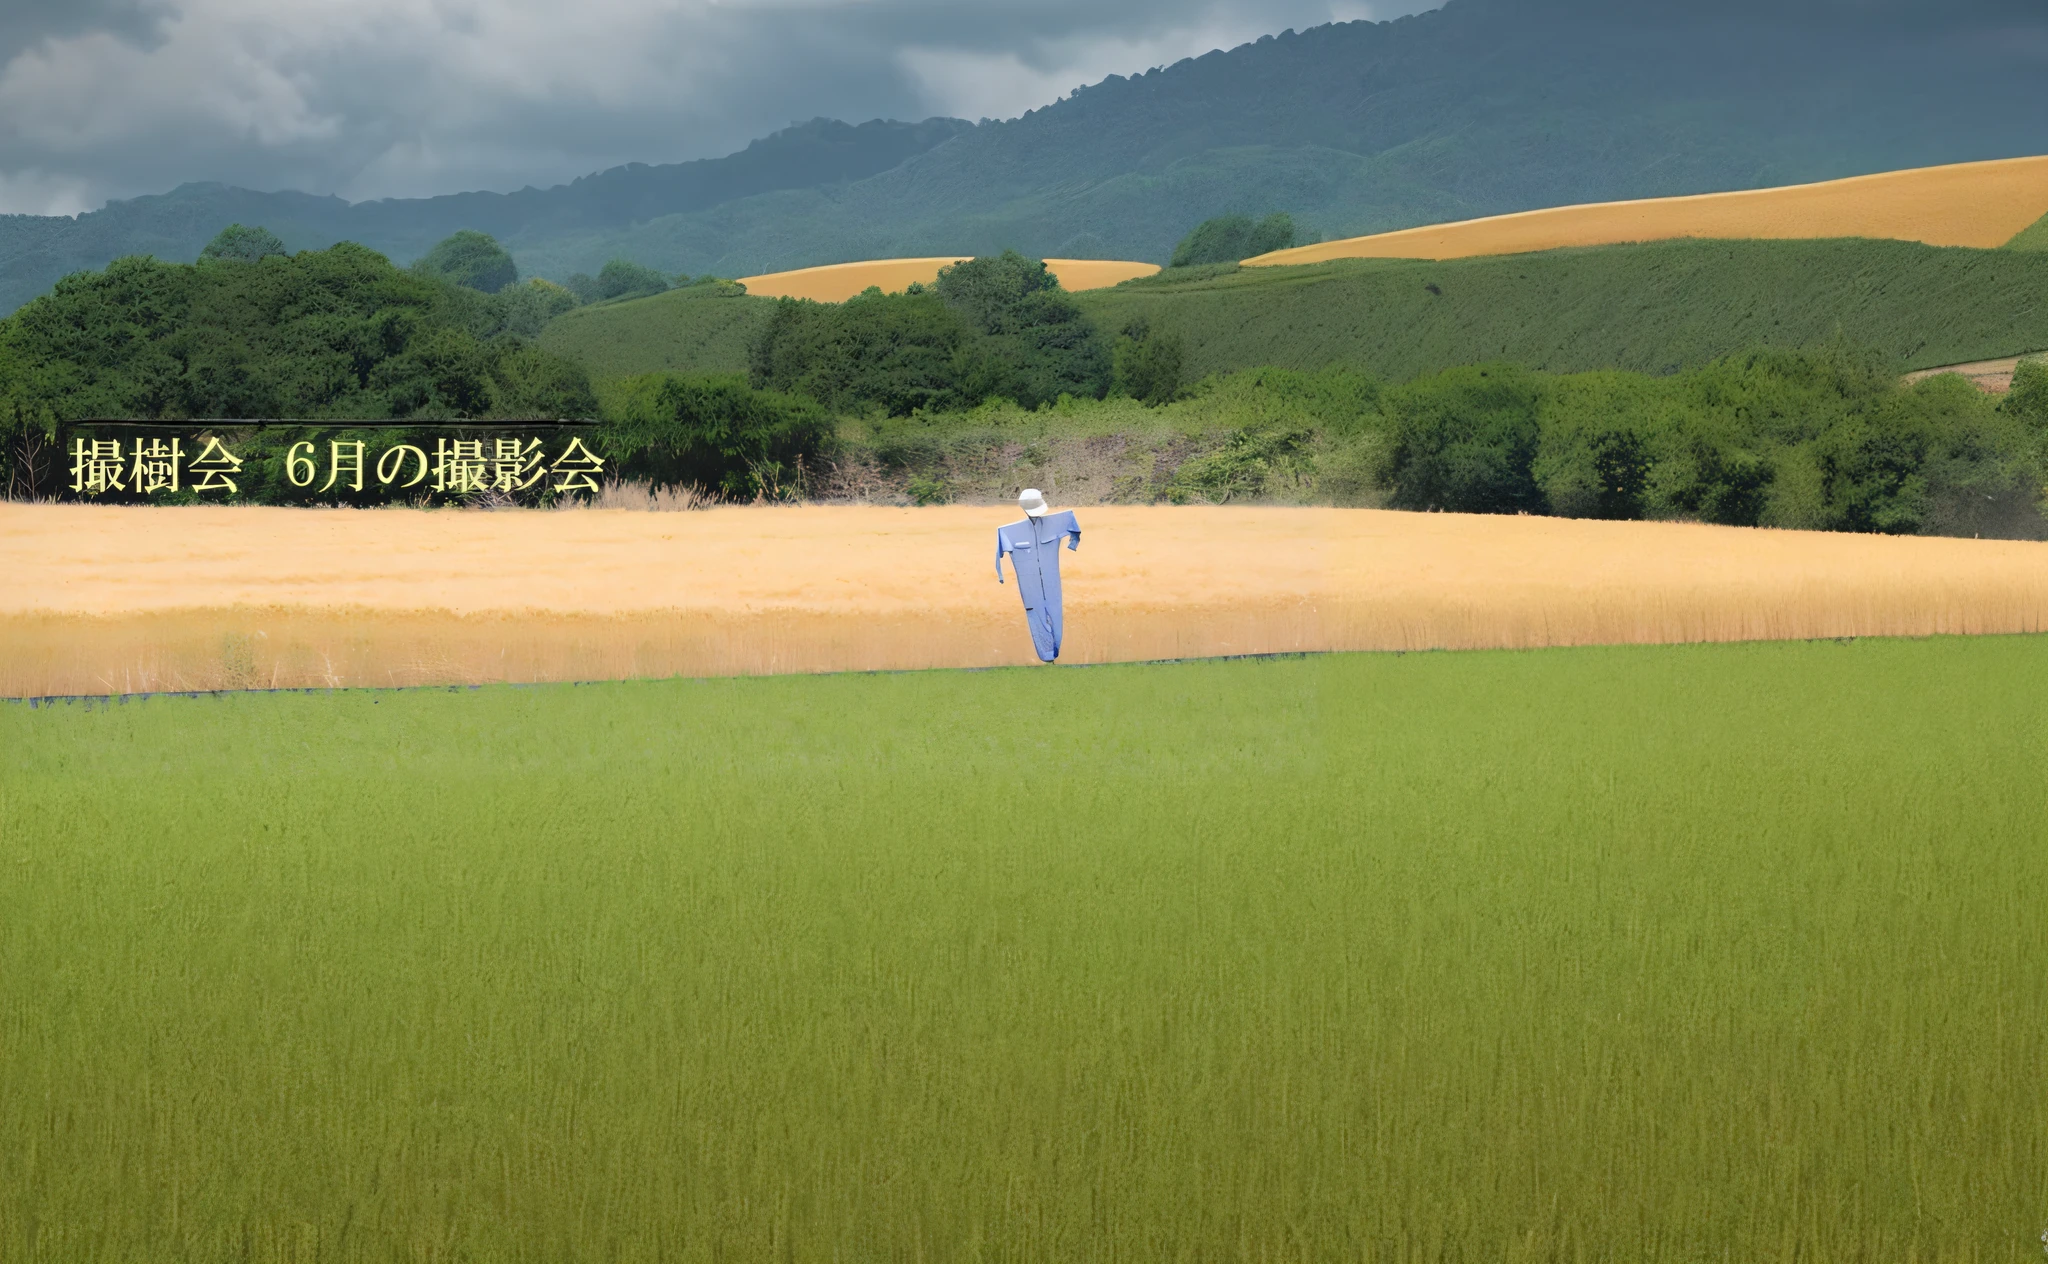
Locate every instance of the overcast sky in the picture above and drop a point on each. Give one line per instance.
(401, 98)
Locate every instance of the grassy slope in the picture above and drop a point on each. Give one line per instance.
(1616, 955)
(1653, 308)
(2034, 239)
(688, 330)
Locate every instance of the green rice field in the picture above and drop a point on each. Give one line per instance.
(1733, 953)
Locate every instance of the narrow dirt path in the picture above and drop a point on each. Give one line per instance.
(1993, 377)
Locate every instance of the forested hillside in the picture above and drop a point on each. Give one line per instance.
(36, 250)
(1481, 107)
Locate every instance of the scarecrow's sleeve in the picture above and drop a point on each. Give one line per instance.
(1073, 534)
(1002, 547)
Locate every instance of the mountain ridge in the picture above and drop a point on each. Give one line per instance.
(1480, 107)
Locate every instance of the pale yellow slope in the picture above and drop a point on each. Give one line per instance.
(107, 600)
(1981, 204)
(837, 282)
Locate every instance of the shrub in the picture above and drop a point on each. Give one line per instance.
(1231, 238)
(1465, 441)
(2028, 399)
(529, 307)
(621, 277)
(896, 352)
(336, 333)
(990, 328)
(1034, 338)
(1147, 364)
(237, 244)
(471, 259)
(714, 432)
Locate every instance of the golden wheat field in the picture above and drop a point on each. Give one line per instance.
(1981, 204)
(837, 282)
(119, 600)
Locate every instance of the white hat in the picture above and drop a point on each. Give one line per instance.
(1034, 503)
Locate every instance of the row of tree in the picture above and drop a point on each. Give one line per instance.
(1816, 440)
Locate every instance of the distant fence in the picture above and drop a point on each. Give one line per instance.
(108, 461)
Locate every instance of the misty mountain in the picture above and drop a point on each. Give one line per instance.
(1481, 107)
(36, 250)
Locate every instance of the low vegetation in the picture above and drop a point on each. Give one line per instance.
(2034, 239)
(1702, 953)
(1230, 238)
(1655, 308)
(693, 329)
(1824, 440)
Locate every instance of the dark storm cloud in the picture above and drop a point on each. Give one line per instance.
(368, 98)
(24, 23)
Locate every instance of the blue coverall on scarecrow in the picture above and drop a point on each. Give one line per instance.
(1034, 549)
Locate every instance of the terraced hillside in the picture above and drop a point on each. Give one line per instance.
(1653, 308)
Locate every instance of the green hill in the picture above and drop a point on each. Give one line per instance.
(2035, 238)
(690, 330)
(1654, 308)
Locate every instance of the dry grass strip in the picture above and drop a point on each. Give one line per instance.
(837, 282)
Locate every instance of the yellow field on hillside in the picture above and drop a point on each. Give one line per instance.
(1981, 204)
(107, 600)
(837, 282)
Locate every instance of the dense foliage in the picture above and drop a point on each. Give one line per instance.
(1040, 343)
(238, 243)
(1147, 363)
(1824, 440)
(1819, 441)
(716, 433)
(470, 258)
(1230, 238)
(619, 278)
(335, 333)
(989, 328)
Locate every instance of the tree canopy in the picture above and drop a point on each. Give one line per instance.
(470, 258)
(239, 244)
(991, 327)
(1230, 238)
(336, 333)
